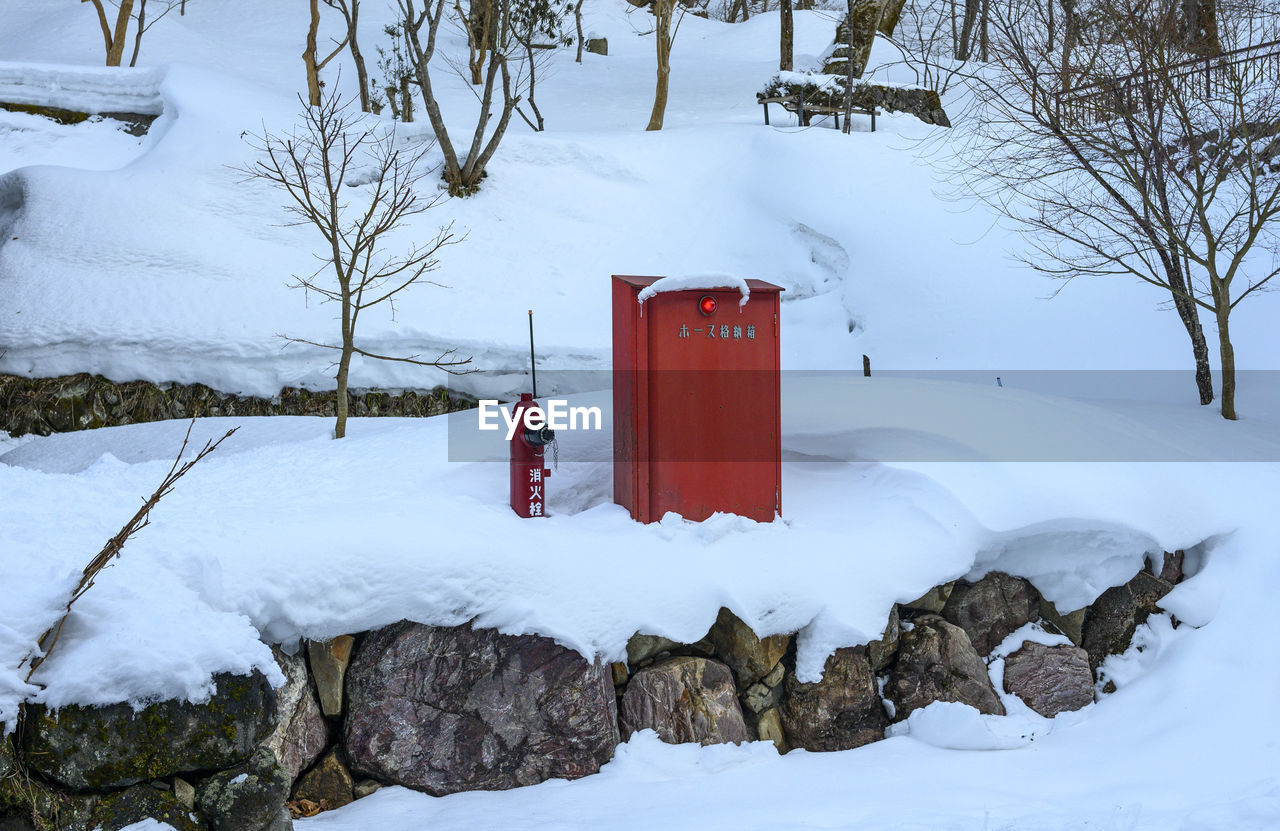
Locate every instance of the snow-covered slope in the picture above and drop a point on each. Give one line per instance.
(171, 267)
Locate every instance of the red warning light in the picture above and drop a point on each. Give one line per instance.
(707, 305)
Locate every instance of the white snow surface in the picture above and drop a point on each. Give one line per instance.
(686, 282)
(152, 258)
(83, 89)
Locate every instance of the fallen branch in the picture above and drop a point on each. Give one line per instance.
(112, 549)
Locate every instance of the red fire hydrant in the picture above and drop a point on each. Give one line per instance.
(528, 456)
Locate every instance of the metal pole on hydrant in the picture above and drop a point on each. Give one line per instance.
(529, 448)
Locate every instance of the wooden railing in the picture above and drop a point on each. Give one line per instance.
(1109, 98)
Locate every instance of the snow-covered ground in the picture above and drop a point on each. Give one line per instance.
(284, 533)
(152, 258)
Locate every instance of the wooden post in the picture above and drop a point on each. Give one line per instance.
(866, 366)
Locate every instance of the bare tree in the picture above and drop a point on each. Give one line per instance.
(925, 36)
(664, 36)
(114, 37)
(478, 23)
(421, 28)
(144, 24)
(577, 22)
(317, 167)
(537, 29)
(787, 36)
(1128, 156)
(311, 58)
(350, 10)
(397, 75)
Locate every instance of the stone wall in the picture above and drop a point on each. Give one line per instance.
(83, 402)
(449, 709)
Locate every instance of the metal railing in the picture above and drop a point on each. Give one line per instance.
(1120, 95)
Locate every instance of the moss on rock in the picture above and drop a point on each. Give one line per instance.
(82, 402)
(97, 748)
(142, 802)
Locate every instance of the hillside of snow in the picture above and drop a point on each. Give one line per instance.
(152, 258)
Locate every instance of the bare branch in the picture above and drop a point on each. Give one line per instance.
(111, 551)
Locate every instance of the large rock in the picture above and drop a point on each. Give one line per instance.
(301, 733)
(1168, 566)
(924, 104)
(328, 785)
(992, 608)
(685, 700)
(248, 797)
(329, 660)
(1070, 624)
(1049, 679)
(142, 802)
(932, 601)
(769, 729)
(882, 652)
(1112, 619)
(750, 657)
(643, 650)
(822, 91)
(456, 709)
(936, 662)
(29, 803)
(97, 748)
(841, 711)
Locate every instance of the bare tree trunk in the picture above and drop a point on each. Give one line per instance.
(577, 19)
(966, 29)
(848, 81)
(463, 178)
(786, 61)
(344, 370)
(116, 52)
(955, 35)
(1226, 352)
(662, 35)
(1070, 36)
(983, 52)
(1200, 27)
(406, 100)
(137, 38)
(309, 57)
(352, 15)
(537, 124)
(1189, 314)
(479, 35)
